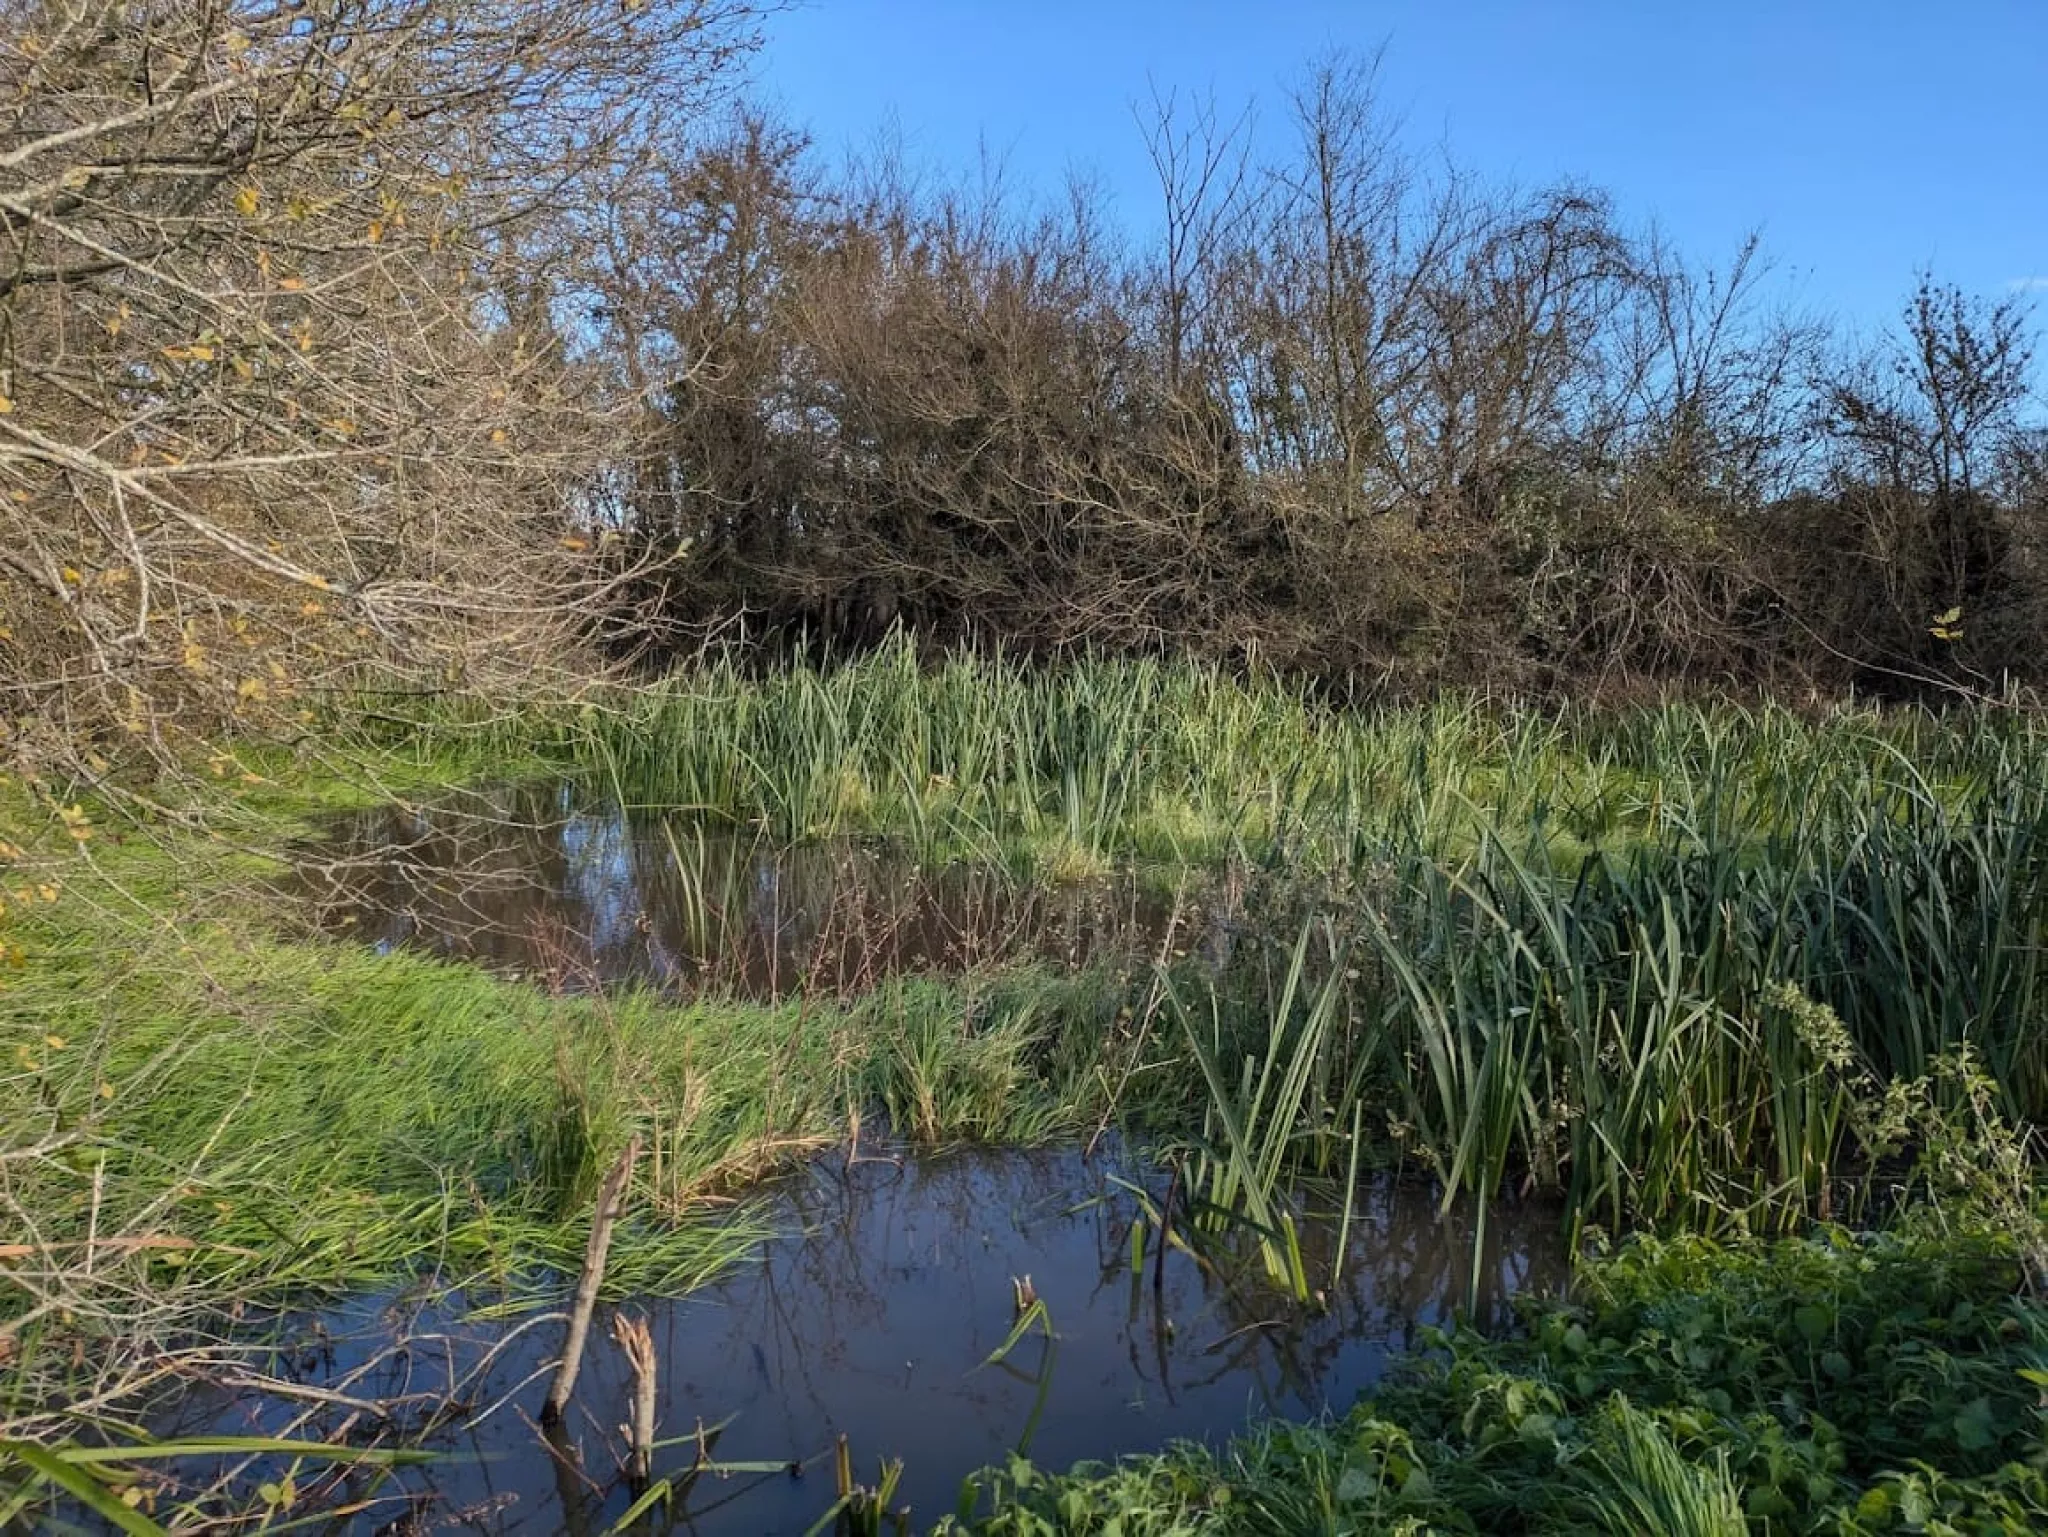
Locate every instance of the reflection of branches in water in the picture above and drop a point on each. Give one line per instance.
(1408, 1265)
(698, 912)
(893, 1287)
(821, 1299)
(444, 876)
(398, 1376)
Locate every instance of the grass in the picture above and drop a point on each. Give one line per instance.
(1565, 936)
(205, 1118)
(1664, 962)
(293, 1085)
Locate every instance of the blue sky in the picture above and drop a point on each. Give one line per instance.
(1864, 141)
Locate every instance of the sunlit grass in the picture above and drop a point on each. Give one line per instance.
(1548, 949)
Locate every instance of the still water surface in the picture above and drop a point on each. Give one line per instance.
(575, 891)
(875, 1317)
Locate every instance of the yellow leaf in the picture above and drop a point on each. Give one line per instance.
(107, 1092)
(376, 230)
(571, 542)
(291, 285)
(71, 575)
(6, 405)
(247, 201)
(54, 1042)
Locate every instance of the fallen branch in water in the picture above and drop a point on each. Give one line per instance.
(610, 1200)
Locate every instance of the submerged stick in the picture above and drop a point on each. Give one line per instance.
(610, 1198)
(638, 1344)
(1165, 1227)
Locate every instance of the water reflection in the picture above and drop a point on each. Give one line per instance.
(574, 892)
(875, 1318)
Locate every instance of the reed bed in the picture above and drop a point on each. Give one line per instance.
(1568, 933)
(1116, 759)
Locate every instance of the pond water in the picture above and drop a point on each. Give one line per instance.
(575, 891)
(874, 1317)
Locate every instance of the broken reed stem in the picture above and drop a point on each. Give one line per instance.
(610, 1199)
(638, 1344)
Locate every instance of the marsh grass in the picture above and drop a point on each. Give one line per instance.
(1250, 1126)
(1549, 947)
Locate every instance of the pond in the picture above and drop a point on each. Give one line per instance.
(875, 1316)
(887, 1310)
(575, 891)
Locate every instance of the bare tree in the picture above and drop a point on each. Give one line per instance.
(1203, 165)
(1919, 428)
(290, 375)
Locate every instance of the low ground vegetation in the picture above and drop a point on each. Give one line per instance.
(1698, 970)
(1833, 1383)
